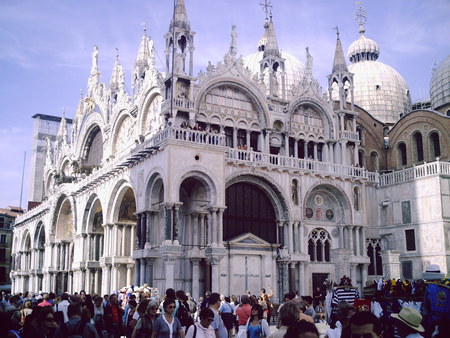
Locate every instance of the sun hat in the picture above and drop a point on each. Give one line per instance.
(410, 317)
(433, 272)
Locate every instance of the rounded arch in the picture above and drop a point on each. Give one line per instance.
(328, 126)
(91, 152)
(417, 146)
(64, 225)
(39, 236)
(122, 132)
(402, 157)
(327, 203)
(256, 97)
(374, 161)
(155, 192)
(122, 204)
(276, 195)
(150, 114)
(94, 120)
(434, 142)
(205, 178)
(26, 241)
(93, 215)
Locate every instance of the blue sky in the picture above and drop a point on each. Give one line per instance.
(46, 46)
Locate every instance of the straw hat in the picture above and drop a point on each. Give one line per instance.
(410, 317)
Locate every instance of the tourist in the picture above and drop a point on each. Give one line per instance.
(257, 326)
(226, 311)
(364, 325)
(266, 299)
(203, 328)
(40, 324)
(61, 309)
(144, 326)
(45, 300)
(408, 323)
(76, 325)
(113, 317)
(217, 324)
(167, 325)
(243, 313)
(302, 329)
(99, 316)
(289, 315)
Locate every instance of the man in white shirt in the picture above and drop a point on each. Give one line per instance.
(62, 306)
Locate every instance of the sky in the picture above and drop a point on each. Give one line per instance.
(46, 48)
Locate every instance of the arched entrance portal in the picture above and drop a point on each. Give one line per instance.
(248, 210)
(250, 234)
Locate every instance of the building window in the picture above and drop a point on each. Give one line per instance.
(406, 212)
(410, 240)
(401, 154)
(295, 192)
(373, 251)
(319, 245)
(2, 255)
(2, 239)
(2, 222)
(407, 270)
(435, 145)
(418, 147)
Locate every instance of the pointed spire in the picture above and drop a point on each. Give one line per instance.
(181, 18)
(146, 56)
(118, 75)
(62, 131)
(339, 59)
(80, 105)
(271, 47)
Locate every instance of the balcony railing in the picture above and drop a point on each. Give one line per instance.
(263, 160)
(409, 174)
(179, 103)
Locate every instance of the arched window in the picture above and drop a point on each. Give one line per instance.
(417, 147)
(373, 251)
(374, 161)
(356, 199)
(435, 145)
(401, 154)
(319, 244)
(361, 158)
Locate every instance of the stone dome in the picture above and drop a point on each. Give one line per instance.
(440, 85)
(378, 88)
(381, 90)
(294, 68)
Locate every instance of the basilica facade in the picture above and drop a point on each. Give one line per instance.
(243, 175)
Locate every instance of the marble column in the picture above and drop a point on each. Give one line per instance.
(143, 225)
(168, 222)
(300, 237)
(290, 236)
(137, 272)
(195, 277)
(106, 279)
(235, 132)
(292, 284)
(149, 271)
(357, 238)
(130, 274)
(149, 219)
(215, 273)
(143, 272)
(213, 230)
(353, 268)
(169, 265)
(138, 232)
(220, 226)
(364, 275)
(302, 271)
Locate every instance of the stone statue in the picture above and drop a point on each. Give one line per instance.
(151, 51)
(179, 63)
(274, 84)
(233, 45)
(95, 58)
(309, 62)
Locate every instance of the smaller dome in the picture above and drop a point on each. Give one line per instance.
(363, 49)
(440, 85)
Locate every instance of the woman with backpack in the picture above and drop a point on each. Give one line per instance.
(168, 326)
(144, 326)
(257, 326)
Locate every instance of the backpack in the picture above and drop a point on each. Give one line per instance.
(59, 316)
(78, 333)
(183, 316)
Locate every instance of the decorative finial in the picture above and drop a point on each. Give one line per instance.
(144, 25)
(64, 112)
(337, 31)
(117, 54)
(265, 7)
(361, 17)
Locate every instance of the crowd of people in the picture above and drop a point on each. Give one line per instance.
(135, 313)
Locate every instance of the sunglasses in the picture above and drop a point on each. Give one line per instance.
(210, 319)
(153, 308)
(171, 307)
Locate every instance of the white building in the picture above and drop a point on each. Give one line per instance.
(244, 175)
